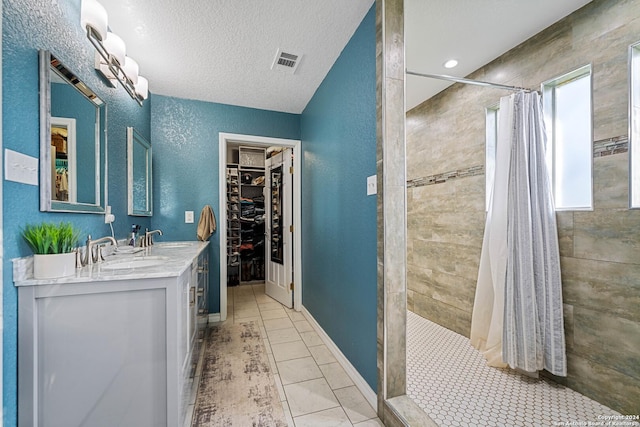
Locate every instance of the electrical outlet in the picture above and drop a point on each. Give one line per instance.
(188, 217)
(372, 185)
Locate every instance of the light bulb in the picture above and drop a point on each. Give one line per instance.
(115, 46)
(450, 63)
(142, 87)
(94, 15)
(131, 69)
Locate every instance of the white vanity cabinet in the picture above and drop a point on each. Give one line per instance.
(112, 351)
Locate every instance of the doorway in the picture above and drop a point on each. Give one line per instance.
(227, 140)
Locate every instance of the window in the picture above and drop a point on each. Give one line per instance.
(634, 126)
(567, 116)
(490, 151)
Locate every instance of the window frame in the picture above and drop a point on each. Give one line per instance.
(547, 89)
(490, 179)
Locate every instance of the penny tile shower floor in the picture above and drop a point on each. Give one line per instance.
(451, 382)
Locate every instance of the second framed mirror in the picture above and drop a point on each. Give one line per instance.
(139, 174)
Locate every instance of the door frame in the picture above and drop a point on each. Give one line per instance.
(261, 141)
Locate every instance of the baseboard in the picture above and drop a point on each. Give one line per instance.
(355, 376)
(214, 317)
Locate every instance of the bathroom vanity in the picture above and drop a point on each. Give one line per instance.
(114, 345)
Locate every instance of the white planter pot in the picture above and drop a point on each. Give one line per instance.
(53, 266)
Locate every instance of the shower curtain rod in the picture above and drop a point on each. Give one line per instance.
(468, 81)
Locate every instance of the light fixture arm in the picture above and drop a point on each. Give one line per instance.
(114, 67)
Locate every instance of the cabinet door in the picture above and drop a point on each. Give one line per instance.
(102, 359)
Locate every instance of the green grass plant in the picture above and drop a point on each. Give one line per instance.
(51, 238)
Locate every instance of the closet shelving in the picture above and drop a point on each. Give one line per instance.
(233, 225)
(245, 213)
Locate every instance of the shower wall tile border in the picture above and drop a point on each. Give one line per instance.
(602, 148)
(441, 178)
(610, 146)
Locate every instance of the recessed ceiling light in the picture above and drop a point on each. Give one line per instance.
(450, 63)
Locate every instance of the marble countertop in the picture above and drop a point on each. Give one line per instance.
(176, 257)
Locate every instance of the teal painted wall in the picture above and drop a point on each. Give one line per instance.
(27, 27)
(185, 136)
(339, 220)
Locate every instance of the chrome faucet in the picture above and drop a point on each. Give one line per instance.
(92, 253)
(148, 237)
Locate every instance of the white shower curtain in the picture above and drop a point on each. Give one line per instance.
(517, 316)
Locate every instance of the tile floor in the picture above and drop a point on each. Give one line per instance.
(314, 389)
(452, 383)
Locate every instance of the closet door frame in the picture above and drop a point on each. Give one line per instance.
(262, 141)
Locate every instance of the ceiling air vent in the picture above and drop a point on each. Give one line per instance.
(287, 62)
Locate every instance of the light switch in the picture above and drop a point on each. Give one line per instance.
(188, 217)
(372, 185)
(19, 167)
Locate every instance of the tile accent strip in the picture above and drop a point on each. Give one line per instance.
(446, 176)
(605, 147)
(609, 146)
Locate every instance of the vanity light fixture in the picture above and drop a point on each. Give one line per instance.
(450, 63)
(111, 59)
(142, 87)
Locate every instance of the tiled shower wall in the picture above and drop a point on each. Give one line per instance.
(600, 249)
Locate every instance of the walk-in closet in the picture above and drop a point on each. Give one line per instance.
(255, 206)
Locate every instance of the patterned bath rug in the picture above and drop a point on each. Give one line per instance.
(237, 388)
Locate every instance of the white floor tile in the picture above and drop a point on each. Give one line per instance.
(287, 414)
(310, 396)
(354, 404)
(303, 326)
(278, 313)
(289, 350)
(278, 336)
(270, 305)
(321, 354)
(335, 375)
(297, 370)
(334, 417)
(278, 381)
(273, 324)
(272, 363)
(311, 338)
(296, 316)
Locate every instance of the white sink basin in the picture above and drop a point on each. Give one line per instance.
(131, 263)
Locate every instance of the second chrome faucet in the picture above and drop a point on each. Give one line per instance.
(147, 240)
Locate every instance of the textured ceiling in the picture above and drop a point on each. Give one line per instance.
(222, 50)
(471, 31)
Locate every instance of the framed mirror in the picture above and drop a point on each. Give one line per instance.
(634, 125)
(73, 141)
(139, 174)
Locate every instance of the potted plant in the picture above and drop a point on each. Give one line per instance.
(53, 246)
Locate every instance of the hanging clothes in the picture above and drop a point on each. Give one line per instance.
(517, 318)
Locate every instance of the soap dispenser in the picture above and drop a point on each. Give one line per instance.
(134, 232)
